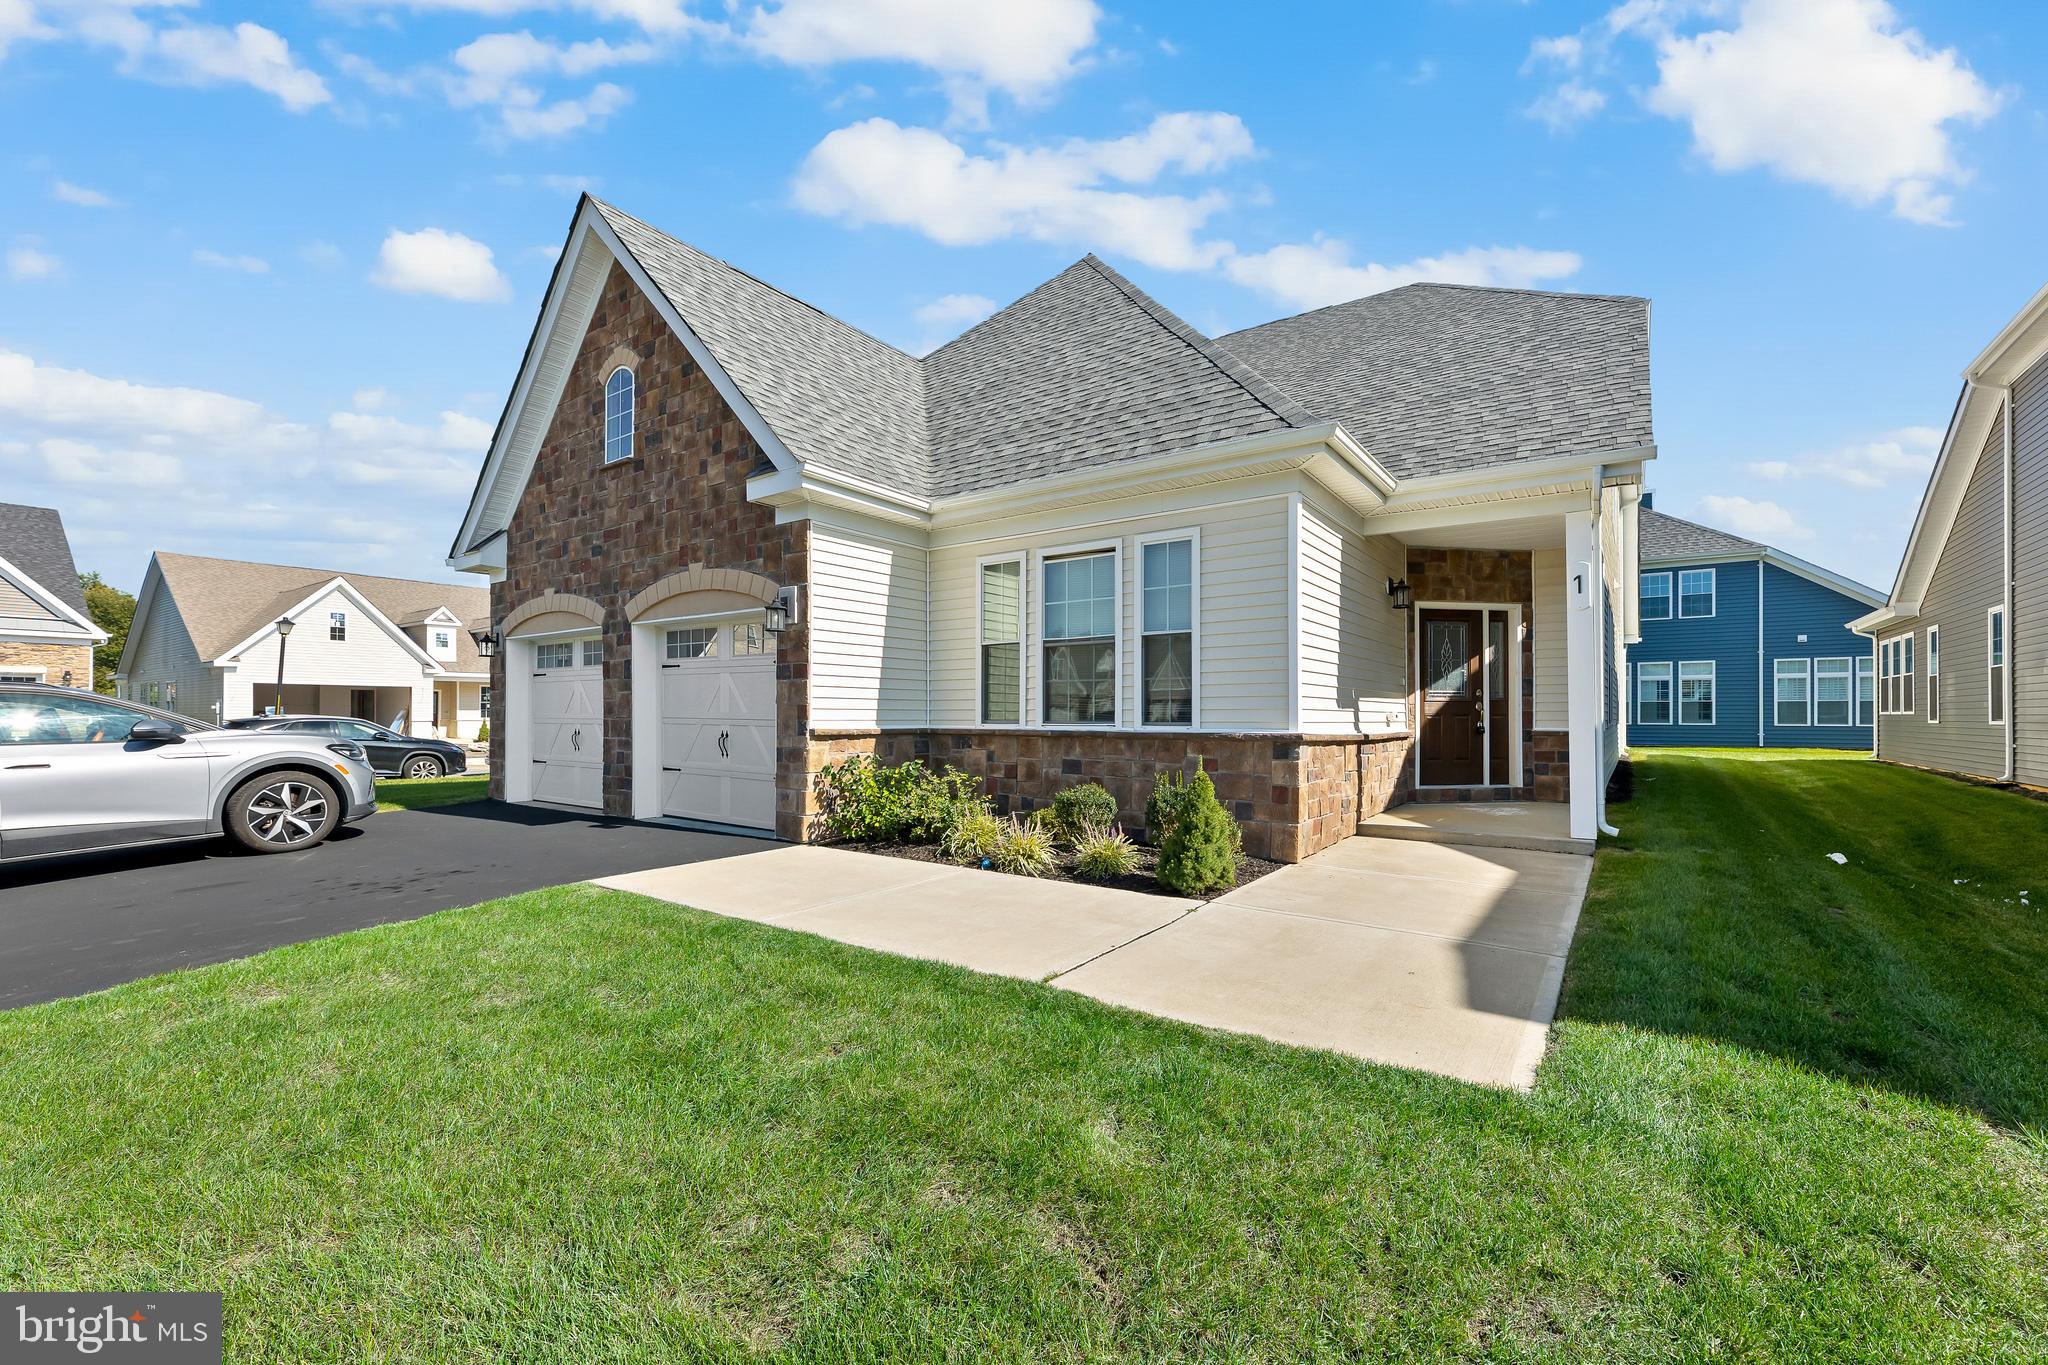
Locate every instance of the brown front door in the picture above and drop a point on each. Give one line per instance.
(1453, 698)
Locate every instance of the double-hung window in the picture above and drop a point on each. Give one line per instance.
(1934, 675)
(1866, 690)
(1994, 660)
(1791, 692)
(337, 625)
(1653, 694)
(1833, 692)
(1695, 592)
(1655, 597)
(1167, 631)
(1079, 662)
(1002, 642)
(1906, 676)
(1696, 692)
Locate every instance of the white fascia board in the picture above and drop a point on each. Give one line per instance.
(2019, 344)
(50, 602)
(1942, 500)
(1725, 557)
(363, 604)
(790, 492)
(487, 558)
(1621, 466)
(1827, 578)
(1394, 522)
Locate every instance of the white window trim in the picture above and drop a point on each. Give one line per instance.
(1193, 535)
(1670, 680)
(1713, 692)
(1669, 600)
(1934, 675)
(1995, 710)
(1024, 671)
(23, 673)
(1876, 690)
(604, 440)
(1908, 703)
(1713, 595)
(1850, 660)
(1115, 550)
(1805, 677)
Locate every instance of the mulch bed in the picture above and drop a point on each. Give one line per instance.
(1249, 869)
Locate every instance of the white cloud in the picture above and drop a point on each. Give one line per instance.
(1023, 50)
(1906, 454)
(248, 265)
(955, 310)
(1776, 471)
(322, 254)
(1566, 106)
(436, 261)
(26, 261)
(1309, 275)
(35, 395)
(1765, 521)
(18, 23)
(372, 399)
(563, 116)
(77, 462)
(879, 172)
(247, 54)
(65, 192)
(503, 71)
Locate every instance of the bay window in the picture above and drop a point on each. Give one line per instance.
(1080, 639)
(1167, 632)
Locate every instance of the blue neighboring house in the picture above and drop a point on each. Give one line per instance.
(1745, 646)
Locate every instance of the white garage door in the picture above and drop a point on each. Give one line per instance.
(567, 701)
(718, 724)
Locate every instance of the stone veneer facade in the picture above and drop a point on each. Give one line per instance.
(53, 659)
(1494, 577)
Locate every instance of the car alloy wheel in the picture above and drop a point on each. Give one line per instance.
(423, 767)
(288, 812)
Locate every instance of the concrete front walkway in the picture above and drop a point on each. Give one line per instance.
(1432, 956)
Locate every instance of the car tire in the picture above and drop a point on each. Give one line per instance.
(283, 812)
(423, 765)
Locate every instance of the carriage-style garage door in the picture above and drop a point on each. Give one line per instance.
(567, 705)
(718, 724)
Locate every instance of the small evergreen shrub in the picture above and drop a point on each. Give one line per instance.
(483, 733)
(973, 835)
(1170, 794)
(1200, 854)
(1103, 852)
(1024, 848)
(861, 799)
(1084, 807)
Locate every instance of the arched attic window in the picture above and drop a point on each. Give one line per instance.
(618, 415)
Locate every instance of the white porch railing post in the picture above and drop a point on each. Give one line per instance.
(1583, 693)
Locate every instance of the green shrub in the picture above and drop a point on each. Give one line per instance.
(1102, 852)
(483, 733)
(1200, 855)
(1078, 809)
(864, 800)
(1024, 849)
(973, 835)
(1170, 793)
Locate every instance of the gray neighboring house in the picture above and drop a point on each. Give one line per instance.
(395, 651)
(1962, 641)
(1381, 551)
(45, 633)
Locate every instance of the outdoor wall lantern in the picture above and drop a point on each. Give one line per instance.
(781, 613)
(486, 641)
(1397, 589)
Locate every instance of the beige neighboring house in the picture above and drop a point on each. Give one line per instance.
(395, 651)
(1962, 642)
(45, 633)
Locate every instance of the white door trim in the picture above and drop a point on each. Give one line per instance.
(1514, 650)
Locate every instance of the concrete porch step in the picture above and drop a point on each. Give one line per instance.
(1541, 825)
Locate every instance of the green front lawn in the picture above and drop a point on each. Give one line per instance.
(394, 793)
(1779, 1122)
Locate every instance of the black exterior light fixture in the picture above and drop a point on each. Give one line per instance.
(781, 613)
(486, 641)
(1398, 590)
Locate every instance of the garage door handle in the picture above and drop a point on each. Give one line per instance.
(723, 752)
(671, 665)
(671, 770)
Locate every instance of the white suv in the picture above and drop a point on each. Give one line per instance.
(80, 772)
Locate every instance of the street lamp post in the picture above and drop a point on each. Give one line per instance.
(284, 631)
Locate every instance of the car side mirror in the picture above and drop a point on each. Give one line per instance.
(154, 732)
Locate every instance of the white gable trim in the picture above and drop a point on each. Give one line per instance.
(565, 316)
(152, 584)
(362, 603)
(50, 602)
(1827, 578)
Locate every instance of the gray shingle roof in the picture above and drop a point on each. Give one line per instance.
(1087, 370)
(1662, 536)
(1437, 378)
(32, 539)
(833, 394)
(224, 601)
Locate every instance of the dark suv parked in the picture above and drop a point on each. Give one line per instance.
(391, 754)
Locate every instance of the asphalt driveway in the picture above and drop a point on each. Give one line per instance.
(84, 923)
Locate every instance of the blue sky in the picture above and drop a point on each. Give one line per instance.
(266, 271)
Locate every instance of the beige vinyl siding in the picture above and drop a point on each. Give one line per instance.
(1354, 669)
(2030, 575)
(164, 653)
(1612, 566)
(17, 605)
(867, 624)
(1242, 610)
(1547, 627)
(370, 657)
(1965, 584)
